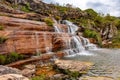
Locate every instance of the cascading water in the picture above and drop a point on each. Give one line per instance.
(48, 46)
(57, 29)
(77, 44)
(37, 43)
(71, 27)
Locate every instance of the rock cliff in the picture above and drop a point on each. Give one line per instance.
(29, 37)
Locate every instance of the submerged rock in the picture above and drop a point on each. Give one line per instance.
(74, 66)
(96, 78)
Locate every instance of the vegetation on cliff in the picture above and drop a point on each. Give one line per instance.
(12, 57)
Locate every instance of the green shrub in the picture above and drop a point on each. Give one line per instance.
(90, 33)
(41, 77)
(93, 34)
(26, 8)
(2, 39)
(2, 59)
(57, 18)
(12, 57)
(49, 21)
(1, 27)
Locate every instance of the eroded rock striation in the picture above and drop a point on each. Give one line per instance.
(29, 37)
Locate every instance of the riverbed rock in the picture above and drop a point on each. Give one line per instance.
(13, 77)
(96, 78)
(29, 70)
(8, 70)
(74, 66)
(30, 66)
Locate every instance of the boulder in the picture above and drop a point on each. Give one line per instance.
(29, 70)
(13, 77)
(8, 70)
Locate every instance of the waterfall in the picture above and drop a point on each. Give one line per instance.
(77, 44)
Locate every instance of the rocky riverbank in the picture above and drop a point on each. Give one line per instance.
(57, 70)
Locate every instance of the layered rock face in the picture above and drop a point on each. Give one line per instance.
(29, 37)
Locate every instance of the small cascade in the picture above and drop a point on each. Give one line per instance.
(71, 27)
(37, 44)
(86, 43)
(77, 44)
(57, 29)
(48, 46)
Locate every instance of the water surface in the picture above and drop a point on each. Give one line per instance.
(106, 62)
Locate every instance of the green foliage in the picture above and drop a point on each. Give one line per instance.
(12, 57)
(2, 59)
(57, 18)
(49, 21)
(117, 23)
(93, 34)
(92, 13)
(2, 39)
(116, 39)
(90, 33)
(26, 8)
(1, 27)
(41, 77)
(62, 9)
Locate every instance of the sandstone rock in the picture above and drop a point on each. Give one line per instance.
(96, 78)
(15, 24)
(29, 70)
(71, 65)
(13, 77)
(30, 66)
(8, 70)
(20, 31)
